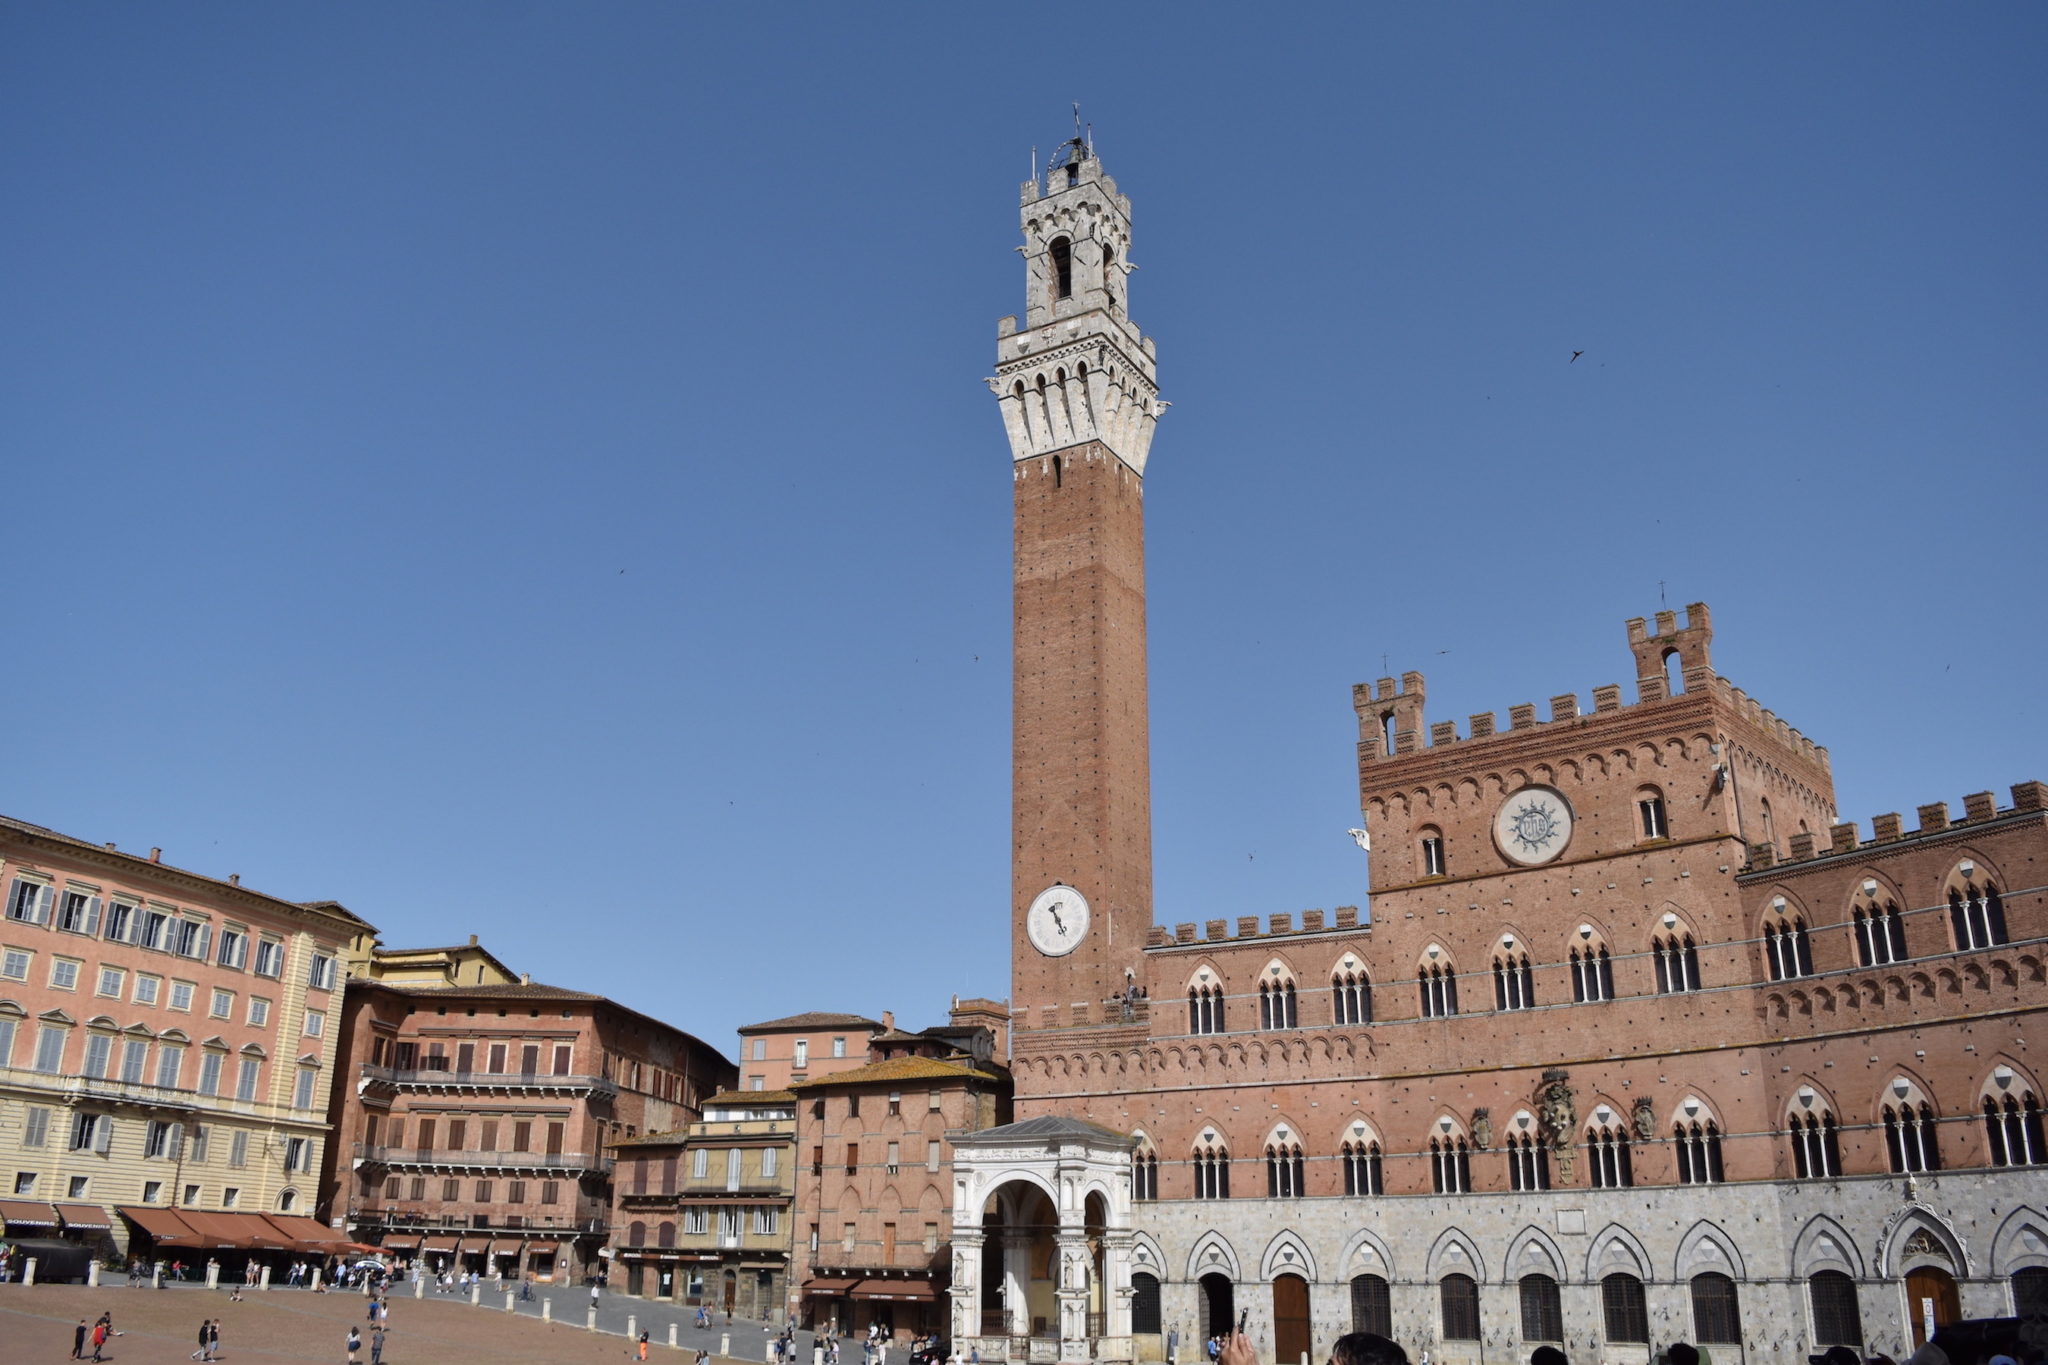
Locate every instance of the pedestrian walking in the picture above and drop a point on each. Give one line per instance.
(99, 1337)
(376, 1346)
(200, 1354)
(643, 1345)
(78, 1341)
(213, 1340)
(355, 1343)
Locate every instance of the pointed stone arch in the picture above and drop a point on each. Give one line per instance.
(1212, 1254)
(1915, 1236)
(2021, 1241)
(1618, 1249)
(1824, 1244)
(1148, 1257)
(1367, 1253)
(1533, 1252)
(1288, 1254)
(1706, 1246)
(1455, 1253)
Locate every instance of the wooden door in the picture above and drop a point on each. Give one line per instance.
(1930, 1293)
(1290, 1320)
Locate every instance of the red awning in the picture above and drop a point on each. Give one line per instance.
(401, 1244)
(472, 1246)
(28, 1215)
(307, 1234)
(91, 1217)
(828, 1286)
(438, 1244)
(234, 1231)
(164, 1226)
(894, 1289)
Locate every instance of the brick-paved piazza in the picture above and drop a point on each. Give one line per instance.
(160, 1327)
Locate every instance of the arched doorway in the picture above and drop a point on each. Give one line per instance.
(1219, 1306)
(1020, 1262)
(1144, 1305)
(1290, 1320)
(1931, 1302)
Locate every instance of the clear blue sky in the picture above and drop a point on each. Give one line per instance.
(524, 469)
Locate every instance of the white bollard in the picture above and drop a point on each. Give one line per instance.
(510, 1306)
(632, 1327)
(263, 1280)
(590, 1320)
(28, 1274)
(92, 1274)
(156, 1276)
(817, 1355)
(313, 1280)
(547, 1310)
(213, 1274)
(671, 1334)
(419, 1289)
(768, 1355)
(725, 1345)
(476, 1294)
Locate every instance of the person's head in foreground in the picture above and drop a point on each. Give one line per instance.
(1366, 1348)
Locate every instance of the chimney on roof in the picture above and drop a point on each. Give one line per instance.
(526, 978)
(888, 1019)
(472, 940)
(110, 846)
(156, 855)
(234, 879)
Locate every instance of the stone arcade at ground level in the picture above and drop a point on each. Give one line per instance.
(1042, 1242)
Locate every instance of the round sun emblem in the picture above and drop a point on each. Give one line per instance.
(1533, 825)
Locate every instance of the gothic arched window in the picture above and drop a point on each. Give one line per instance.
(1351, 998)
(1061, 255)
(1362, 1168)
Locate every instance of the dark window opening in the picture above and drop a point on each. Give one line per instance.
(1061, 253)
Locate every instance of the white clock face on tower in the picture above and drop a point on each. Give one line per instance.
(1533, 825)
(1057, 921)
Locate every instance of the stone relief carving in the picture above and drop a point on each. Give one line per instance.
(1482, 1129)
(1644, 1119)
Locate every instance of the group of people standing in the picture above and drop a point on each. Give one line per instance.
(94, 1336)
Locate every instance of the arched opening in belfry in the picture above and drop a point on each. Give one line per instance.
(1061, 254)
(1058, 472)
(1387, 733)
(1020, 1262)
(1674, 674)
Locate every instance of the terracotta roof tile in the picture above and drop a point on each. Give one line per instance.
(815, 1019)
(902, 1069)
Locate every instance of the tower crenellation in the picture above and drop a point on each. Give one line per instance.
(1079, 370)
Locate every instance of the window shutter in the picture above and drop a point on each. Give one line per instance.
(92, 915)
(205, 939)
(43, 905)
(103, 1134)
(175, 1148)
(15, 892)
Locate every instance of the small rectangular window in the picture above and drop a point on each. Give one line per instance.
(230, 1197)
(321, 974)
(29, 901)
(894, 1159)
(259, 1012)
(245, 1083)
(112, 979)
(316, 1023)
(120, 925)
(181, 996)
(803, 1054)
(303, 1096)
(79, 913)
(152, 1190)
(760, 1049)
(14, 964)
(64, 974)
(147, 989)
(1433, 857)
(270, 958)
(838, 1047)
(223, 1005)
(234, 949)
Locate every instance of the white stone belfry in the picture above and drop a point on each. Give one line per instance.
(1055, 1195)
(1079, 370)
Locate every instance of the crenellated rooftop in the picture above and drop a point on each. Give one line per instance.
(1345, 917)
(1391, 720)
(1887, 830)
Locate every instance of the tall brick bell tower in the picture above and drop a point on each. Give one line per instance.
(1079, 400)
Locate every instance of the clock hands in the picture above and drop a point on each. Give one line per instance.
(1057, 922)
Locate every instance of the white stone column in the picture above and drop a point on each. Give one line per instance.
(1071, 1293)
(966, 1291)
(1116, 1289)
(1016, 1283)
